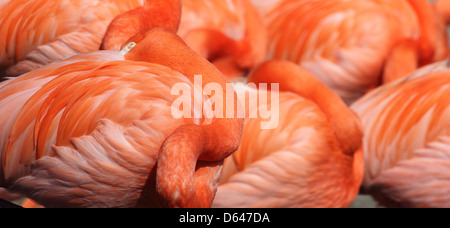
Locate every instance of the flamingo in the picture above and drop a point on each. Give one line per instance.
(406, 142)
(35, 33)
(96, 130)
(311, 159)
(352, 45)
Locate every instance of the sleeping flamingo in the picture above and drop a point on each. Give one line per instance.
(406, 143)
(35, 33)
(313, 157)
(96, 130)
(350, 45)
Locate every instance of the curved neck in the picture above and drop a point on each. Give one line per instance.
(154, 14)
(429, 27)
(292, 78)
(166, 48)
(191, 143)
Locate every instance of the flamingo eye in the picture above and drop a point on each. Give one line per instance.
(127, 48)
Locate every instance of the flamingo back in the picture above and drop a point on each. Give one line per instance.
(406, 126)
(35, 33)
(345, 43)
(297, 164)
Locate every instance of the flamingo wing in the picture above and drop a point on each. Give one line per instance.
(297, 164)
(346, 43)
(403, 121)
(33, 33)
(86, 131)
(419, 182)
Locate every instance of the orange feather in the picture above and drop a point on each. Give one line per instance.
(96, 130)
(231, 34)
(311, 159)
(35, 33)
(406, 139)
(346, 44)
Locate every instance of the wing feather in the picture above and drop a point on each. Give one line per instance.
(402, 117)
(67, 99)
(34, 33)
(422, 181)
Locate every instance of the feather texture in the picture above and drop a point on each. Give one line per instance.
(305, 160)
(88, 131)
(405, 143)
(346, 43)
(35, 33)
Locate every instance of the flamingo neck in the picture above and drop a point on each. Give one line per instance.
(430, 29)
(190, 143)
(292, 78)
(154, 14)
(166, 48)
